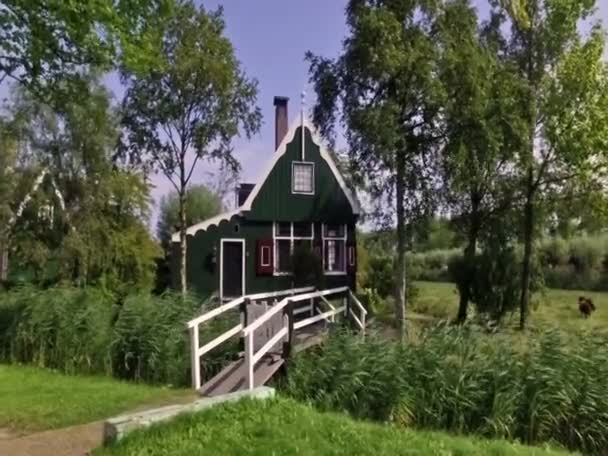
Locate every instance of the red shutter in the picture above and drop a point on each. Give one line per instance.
(264, 257)
(351, 258)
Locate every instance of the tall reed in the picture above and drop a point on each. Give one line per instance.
(547, 388)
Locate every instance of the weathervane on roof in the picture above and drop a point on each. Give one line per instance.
(303, 107)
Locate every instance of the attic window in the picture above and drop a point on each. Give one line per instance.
(303, 178)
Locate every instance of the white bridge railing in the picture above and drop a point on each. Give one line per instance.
(196, 351)
(289, 326)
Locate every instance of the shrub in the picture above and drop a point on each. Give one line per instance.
(74, 330)
(585, 254)
(553, 252)
(381, 275)
(307, 267)
(551, 389)
(64, 328)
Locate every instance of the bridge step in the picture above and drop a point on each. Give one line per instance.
(233, 377)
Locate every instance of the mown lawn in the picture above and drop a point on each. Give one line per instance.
(285, 427)
(557, 307)
(33, 399)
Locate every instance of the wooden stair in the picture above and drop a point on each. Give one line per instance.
(233, 377)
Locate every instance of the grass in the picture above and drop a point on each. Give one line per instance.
(555, 307)
(33, 399)
(285, 427)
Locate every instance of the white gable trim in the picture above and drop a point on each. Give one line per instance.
(324, 154)
(29, 195)
(280, 151)
(191, 231)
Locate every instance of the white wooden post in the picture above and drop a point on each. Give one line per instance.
(249, 360)
(363, 316)
(196, 365)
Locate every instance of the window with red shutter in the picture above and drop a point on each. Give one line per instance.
(264, 257)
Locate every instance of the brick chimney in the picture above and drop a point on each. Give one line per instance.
(280, 120)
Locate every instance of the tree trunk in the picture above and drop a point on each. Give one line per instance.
(530, 190)
(469, 260)
(3, 259)
(527, 259)
(400, 279)
(182, 241)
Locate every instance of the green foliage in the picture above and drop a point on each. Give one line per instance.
(304, 431)
(459, 380)
(307, 267)
(63, 328)
(140, 337)
(97, 234)
(381, 275)
(432, 265)
(201, 204)
(35, 399)
(199, 101)
(496, 285)
(434, 234)
(45, 45)
(149, 340)
(383, 88)
(566, 80)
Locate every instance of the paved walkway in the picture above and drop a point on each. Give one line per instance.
(70, 441)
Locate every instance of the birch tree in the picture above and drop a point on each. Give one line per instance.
(191, 109)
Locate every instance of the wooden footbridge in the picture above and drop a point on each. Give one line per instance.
(272, 325)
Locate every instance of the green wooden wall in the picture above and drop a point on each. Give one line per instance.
(276, 202)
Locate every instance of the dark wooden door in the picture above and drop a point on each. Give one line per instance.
(232, 269)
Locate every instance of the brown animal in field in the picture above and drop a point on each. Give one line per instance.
(586, 306)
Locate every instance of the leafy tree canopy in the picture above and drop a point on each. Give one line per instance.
(45, 44)
(201, 204)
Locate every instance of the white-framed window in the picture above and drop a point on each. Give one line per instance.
(303, 178)
(334, 249)
(287, 237)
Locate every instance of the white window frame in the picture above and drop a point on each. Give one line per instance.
(351, 255)
(291, 238)
(341, 239)
(265, 264)
(293, 177)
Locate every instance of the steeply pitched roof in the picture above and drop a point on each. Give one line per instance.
(280, 151)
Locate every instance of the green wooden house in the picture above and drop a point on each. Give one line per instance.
(301, 199)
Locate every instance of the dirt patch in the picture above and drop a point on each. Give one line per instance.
(71, 441)
(8, 433)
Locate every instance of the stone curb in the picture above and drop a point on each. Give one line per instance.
(116, 428)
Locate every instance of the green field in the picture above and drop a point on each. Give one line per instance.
(556, 307)
(33, 399)
(285, 427)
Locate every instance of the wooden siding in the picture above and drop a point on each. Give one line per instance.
(203, 276)
(275, 200)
